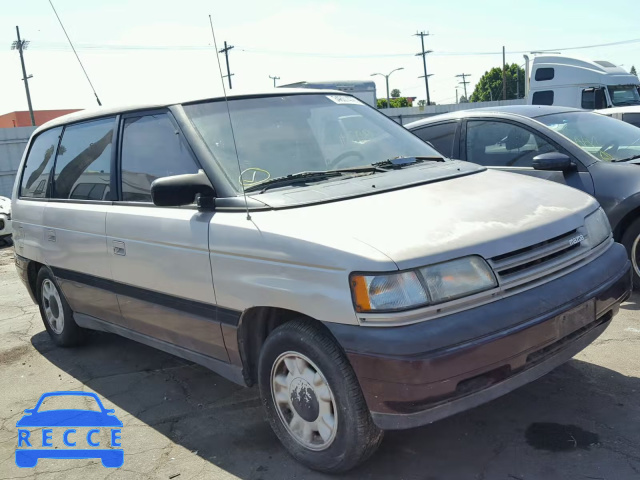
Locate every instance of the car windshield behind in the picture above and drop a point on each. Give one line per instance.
(624, 95)
(283, 135)
(603, 137)
(69, 402)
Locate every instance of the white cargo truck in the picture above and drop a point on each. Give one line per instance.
(365, 90)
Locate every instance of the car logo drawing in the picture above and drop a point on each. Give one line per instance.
(27, 453)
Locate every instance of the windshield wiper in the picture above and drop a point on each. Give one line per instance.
(305, 177)
(319, 175)
(634, 157)
(400, 162)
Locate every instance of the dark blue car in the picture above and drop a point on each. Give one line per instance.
(28, 456)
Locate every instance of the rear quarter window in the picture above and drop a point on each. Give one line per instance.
(35, 174)
(441, 136)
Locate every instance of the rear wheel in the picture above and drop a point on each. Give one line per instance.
(313, 399)
(631, 241)
(56, 313)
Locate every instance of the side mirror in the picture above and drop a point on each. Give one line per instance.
(179, 190)
(555, 161)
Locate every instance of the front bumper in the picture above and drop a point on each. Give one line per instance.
(416, 374)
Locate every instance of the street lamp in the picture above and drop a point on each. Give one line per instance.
(386, 77)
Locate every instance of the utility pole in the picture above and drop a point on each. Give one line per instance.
(464, 82)
(456, 95)
(504, 77)
(424, 53)
(387, 79)
(225, 50)
(21, 45)
(274, 80)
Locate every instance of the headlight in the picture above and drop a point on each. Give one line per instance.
(598, 228)
(428, 285)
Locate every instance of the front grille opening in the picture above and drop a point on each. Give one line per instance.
(475, 384)
(533, 263)
(557, 345)
(532, 247)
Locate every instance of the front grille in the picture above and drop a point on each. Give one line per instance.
(538, 260)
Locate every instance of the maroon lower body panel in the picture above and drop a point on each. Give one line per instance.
(404, 391)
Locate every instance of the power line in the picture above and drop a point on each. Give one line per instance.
(225, 50)
(86, 46)
(76, 53)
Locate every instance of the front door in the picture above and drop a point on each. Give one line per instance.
(511, 147)
(159, 256)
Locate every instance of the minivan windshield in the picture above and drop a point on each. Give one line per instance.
(624, 95)
(283, 135)
(603, 137)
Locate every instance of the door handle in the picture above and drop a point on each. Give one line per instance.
(118, 248)
(51, 235)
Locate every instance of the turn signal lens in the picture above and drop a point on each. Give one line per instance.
(394, 291)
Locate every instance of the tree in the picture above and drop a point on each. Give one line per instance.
(395, 102)
(422, 103)
(395, 93)
(633, 70)
(490, 85)
(463, 99)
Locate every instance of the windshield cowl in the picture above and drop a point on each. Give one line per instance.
(368, 184)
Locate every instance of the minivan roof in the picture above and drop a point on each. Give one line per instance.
(97, 112)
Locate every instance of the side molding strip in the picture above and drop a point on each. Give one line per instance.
(201, 309)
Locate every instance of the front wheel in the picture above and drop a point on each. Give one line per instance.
(631, 241)
(313, 399)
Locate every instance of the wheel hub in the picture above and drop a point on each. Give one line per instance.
(304, 399)
(52, 305)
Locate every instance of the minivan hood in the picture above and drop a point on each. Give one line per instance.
(488, 213)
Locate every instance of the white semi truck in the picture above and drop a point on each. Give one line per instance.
(572, 82)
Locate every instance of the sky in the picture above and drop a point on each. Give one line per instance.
(140, 51)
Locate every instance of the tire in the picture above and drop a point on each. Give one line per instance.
(631, 241)
(332, 396)
(56, 313)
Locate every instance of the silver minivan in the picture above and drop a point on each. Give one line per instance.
(303, 242)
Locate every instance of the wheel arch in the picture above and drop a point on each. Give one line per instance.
(33, 268)
(625, 222)
(256, 323)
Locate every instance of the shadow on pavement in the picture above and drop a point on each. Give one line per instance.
(224, 423)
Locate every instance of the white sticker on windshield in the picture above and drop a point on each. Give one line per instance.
(344, 99)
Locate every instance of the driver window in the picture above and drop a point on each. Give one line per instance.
(502, 144)
(151, 148)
